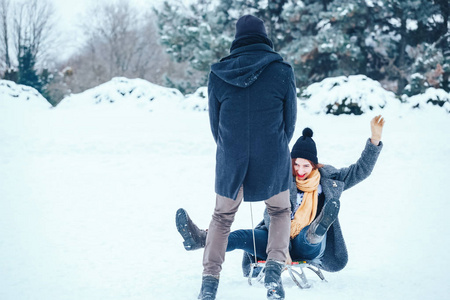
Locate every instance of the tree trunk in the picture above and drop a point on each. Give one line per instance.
(4, 19)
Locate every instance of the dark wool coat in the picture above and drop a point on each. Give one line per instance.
(252, 110)
(334, 182)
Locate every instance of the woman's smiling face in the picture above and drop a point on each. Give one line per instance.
(302, 168)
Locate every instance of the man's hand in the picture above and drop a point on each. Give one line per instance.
(376, 126)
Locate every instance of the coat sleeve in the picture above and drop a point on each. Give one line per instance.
(290, 106)
(213, 109)
(360, 170)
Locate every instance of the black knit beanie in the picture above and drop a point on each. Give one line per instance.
(250, 25)
(305, 147)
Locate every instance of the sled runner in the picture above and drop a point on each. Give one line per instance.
(296, 271)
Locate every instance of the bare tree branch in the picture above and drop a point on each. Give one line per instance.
(120, 41)
(4, 31)
(34, 27)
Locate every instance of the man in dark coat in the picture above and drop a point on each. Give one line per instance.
(252, 109)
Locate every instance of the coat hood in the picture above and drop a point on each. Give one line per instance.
(244, 64)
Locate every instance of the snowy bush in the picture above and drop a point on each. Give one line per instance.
(197, 101)
(431, 97)
(338, 95)
(356, 95)
(418, 84)
(124, 91)
(18, 95)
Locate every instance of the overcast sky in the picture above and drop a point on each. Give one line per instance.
(70, 11)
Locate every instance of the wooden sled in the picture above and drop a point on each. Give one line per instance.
(296, 271)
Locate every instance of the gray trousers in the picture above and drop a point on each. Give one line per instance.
(279, 209)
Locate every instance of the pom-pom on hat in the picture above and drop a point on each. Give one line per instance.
(248, 25)
(305, 147)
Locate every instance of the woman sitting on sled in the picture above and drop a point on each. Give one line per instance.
(315, 193)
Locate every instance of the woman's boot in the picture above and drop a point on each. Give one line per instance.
(194, 238)
(322, 223)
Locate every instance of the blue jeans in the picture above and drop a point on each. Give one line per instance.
(243, 239)
(299, 248)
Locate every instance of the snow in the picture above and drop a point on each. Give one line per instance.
(198, 100)
(323, 25)
(359, 89)
(122, 91)
(436, 19)
(19, 96)
(396, 22)
(88, 195)
(411, 25)
(370, 3)
(431, 94)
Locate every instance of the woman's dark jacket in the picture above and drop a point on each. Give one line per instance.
(334, 182)
(252, 110)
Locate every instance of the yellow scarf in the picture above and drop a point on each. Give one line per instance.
(306, 213)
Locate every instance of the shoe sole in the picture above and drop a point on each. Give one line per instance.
(330, 215)
(274, 286)
(181, 221)
(272, 295)
(275, 292)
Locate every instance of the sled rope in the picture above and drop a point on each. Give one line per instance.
(253, 233)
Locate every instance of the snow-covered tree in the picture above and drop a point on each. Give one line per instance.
(400, 25)
(268, 11)
(326, 38)
(444, 42)
(202, 33)
(199, 34)
(383, 39)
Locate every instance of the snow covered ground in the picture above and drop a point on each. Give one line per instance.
(88, 196)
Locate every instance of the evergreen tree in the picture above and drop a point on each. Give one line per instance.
(429, 63)
(332, 38)
(383, 39)
(444, 42)
(417, 85)
(302, 24)
(445, 45)
(27, 72)
(28, 75)
(268, 11)
(399, 25)
(326, 38)
(352, 20)
(201, 34)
